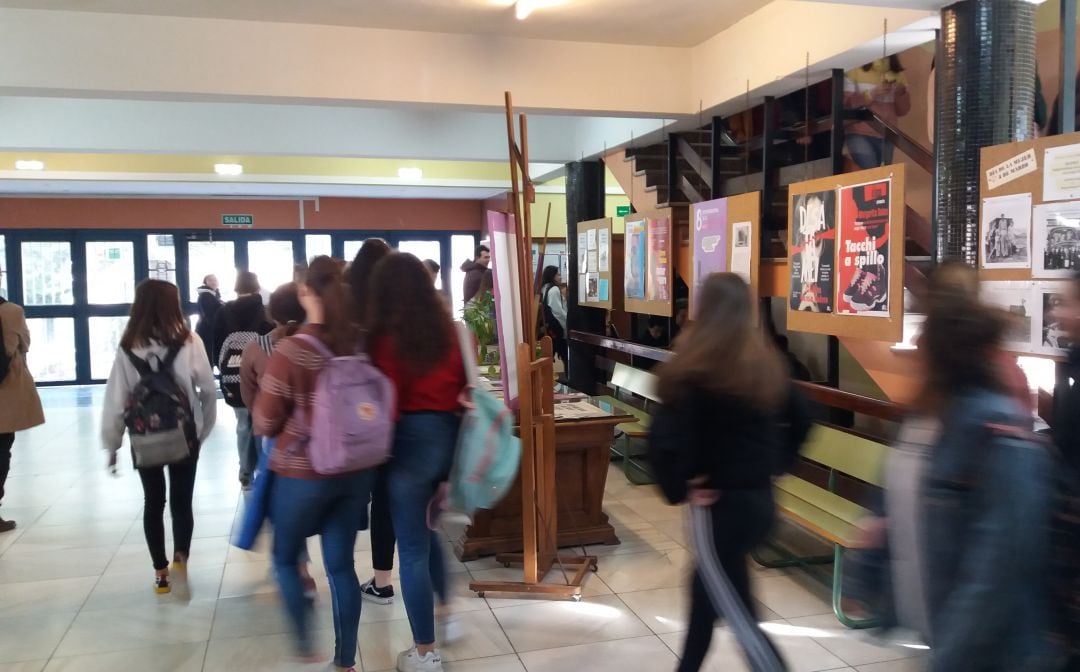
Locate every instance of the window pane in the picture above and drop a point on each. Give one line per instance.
(272, 261)
(319, 245)
(3, 268)
(105, 333)
(110, 272)
(462, 249)
(216, 258)
(52, 349)
(46, 270)
(422, 250)
(351, 248)
(161, 253)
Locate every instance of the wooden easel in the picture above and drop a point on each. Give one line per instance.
(536, 420)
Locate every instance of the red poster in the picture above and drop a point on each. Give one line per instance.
(863, 270)
(656, 287)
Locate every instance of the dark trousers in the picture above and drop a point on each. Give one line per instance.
(6, 441)
(382, 526)
(181, 491)
(740, 521)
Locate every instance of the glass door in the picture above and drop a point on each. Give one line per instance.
(425, 250)
(44, 272)
(274, 261)
(111, 272)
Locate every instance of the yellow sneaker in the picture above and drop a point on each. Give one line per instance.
(161, 585)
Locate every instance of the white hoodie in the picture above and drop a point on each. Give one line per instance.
(191, 371)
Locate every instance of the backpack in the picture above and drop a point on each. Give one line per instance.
(5, 356)
(158, 415)
(352, 414)
(549, 324)
(230, 359)
(488, 454)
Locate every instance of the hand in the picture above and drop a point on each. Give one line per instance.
(700, 495)
(112, 463)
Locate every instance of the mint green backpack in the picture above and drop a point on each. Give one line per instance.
(488, 454)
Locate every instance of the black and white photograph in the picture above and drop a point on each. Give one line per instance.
(1057, 240)
(1005, 231)
(1053, 339)
(1019, 299)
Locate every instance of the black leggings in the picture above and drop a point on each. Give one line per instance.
(740, 521)
(383, 538)
(6, 441)
(182, 490)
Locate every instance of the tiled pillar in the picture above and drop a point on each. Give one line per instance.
(585, 198)
(985, 96)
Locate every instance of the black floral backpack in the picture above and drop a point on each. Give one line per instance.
(158, 415)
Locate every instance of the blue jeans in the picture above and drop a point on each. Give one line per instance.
(423, 453)
(868, 152)
(246, 446)
(331, 508)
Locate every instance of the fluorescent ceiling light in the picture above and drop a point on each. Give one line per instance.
(523, 8)
(410, 173)
(26, 164)
(228, 169)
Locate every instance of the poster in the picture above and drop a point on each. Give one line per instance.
(656, 286)
(863, 241)
(604, 243)
(709, 240)
(605, 292)
(1056, 232)
(1005, 232)
(593, 262)
(636, 248)
(1051, 337)
(1061, 173)
(741, 249)
(582, 252)
(583, 288)
(813, 234)
(593, 293)
(591, 235)
(1018, 298)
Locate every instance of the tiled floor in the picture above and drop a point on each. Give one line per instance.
(75, 584)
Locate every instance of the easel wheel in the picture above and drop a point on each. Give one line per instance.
(480, 594)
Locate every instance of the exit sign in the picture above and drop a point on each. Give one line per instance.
(238, 220)
(622, 210)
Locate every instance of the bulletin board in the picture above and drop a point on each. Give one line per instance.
(596, 264)
(649, 263)
(846, 255)
(725, 237)
(1029, 235)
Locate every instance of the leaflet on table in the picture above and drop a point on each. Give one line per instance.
(604, 243)
(863, 272)
(635, 252)
(1005, 231)
(578, 410)
(1061, 173)
(1056, 232)
(741, 250)
(656, 287)
(709, 240)
(813, 236)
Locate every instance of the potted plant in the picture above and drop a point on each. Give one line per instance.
(479, 316)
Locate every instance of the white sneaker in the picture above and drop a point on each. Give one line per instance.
(411, 661)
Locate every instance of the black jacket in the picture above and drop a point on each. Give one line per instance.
(734, 446)
(244, 314)
(474, 273)
(1066, 426)
(209, 305)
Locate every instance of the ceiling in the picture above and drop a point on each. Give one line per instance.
(681, 23)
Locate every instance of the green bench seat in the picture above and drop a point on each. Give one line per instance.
(629, 445)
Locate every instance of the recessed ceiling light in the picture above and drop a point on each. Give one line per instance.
(27, 164)
(410, 173)
(228, 169)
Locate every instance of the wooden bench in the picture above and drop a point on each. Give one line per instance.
(630, 384)
(823, 511)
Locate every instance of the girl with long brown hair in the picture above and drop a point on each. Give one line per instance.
(157, 329)
(715, 442)
(303, 502)
(413, 342)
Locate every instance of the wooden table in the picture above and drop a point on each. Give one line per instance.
(583, 453)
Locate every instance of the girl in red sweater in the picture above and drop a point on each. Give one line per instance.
(413, 341)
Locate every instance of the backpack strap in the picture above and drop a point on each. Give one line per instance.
(141, 365)
(317, 344)
(266, 344)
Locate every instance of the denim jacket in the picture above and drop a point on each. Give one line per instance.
(987, 499)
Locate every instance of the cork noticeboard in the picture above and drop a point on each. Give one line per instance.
(649, 263)
(595, 283)
(725, 235)
(1029, 201)
(846, 255)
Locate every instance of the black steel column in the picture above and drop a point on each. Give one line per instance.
(985, 96)
(585, 185)
(770, 173)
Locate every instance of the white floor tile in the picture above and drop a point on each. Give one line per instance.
(43, 597)
(175, 658)
(905, 665)
(792, 596)
(801, 653)
(851, 647)
(380, 643)
(18, 566)
(266, 653)
(110, 630)
(646, 571)
(27, 638)
(643, 653)
(594, 619)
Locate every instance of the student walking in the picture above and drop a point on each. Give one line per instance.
(209, 304)
(20, 406)
(303, 502)
(155, 409)
(413, 341)
(240, 322)
(554, 306)
(474, 271)
(714, 444)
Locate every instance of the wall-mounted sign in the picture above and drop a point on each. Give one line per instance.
(247, 221)
(622, 210)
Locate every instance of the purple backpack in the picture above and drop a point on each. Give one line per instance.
(352, 414)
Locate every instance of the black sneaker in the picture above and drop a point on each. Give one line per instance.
(383, 595)
(872, 292)
(6, 525)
